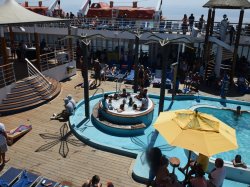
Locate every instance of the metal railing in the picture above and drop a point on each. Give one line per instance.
(7, 75)
(164, 26)
(96, 93)
(56, 58)
(33, 72)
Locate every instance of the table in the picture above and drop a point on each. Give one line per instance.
(174, 162)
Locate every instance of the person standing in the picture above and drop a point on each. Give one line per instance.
(97, 69)
(184, 24)
(191, 21)
(231, 33)
(223, 28)
(3, 144)
(201, 22)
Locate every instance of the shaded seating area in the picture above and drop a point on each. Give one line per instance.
(157, 79)
(18, 177)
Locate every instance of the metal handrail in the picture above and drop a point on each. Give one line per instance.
(7, 75)
(37, 71)
(96, 92)
(34, 72)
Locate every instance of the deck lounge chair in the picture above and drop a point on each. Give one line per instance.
(10, 177)
(26, 179)
(17, 132)
(157, 80)
(130, 78)
(47, 183)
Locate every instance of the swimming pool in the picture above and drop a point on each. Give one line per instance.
(241, 124)
(136, 145)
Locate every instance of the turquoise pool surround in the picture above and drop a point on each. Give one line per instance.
(132, 146)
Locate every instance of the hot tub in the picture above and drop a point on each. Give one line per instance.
(129, 116)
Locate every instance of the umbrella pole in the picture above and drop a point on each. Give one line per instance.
(189, 157)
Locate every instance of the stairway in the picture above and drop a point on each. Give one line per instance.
(29, 93)
(211, 64)
(227, 58)
(226, 62)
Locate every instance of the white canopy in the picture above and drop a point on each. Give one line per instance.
(11, 13)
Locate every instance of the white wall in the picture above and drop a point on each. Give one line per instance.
(4, 91)
(60, 72)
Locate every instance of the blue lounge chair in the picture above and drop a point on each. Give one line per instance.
(10, 176)
(47, 181)
(130, 78)
(26, 179)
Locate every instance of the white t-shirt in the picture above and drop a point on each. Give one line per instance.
(218, 176)
(2, 137)
(69, 108)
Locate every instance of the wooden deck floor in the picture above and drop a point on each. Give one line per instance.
(81, 163)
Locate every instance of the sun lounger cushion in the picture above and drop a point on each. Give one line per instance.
(27, 179)
(10, 176)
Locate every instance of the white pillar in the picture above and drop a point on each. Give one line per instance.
(218, 60)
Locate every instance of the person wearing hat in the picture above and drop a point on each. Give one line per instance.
(68, 111)
(3, 144)
(223, 28)
(97, 69)
(70, 98)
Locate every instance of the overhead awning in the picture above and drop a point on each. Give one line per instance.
(228, 4)
(11, 13)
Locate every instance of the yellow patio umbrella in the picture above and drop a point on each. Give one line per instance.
(196, 131)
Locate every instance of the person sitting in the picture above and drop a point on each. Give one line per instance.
(68, 111)
(238, 163)
(157, 166)
(116, 96)
(72, 100)
(218, 174)
(199, 179)
(94, 182)
(105, 104)
(110, 100)
(135, 107)
(139, 96)
(121, 109)
(124, 93)
(144, 102)
(201, 160)
(242, 86)
(131, 102)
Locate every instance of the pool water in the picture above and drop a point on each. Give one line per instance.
(86, 130)
(242, 126)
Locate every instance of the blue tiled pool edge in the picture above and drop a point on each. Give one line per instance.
(137, 176)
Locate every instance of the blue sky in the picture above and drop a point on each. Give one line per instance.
(172, 9)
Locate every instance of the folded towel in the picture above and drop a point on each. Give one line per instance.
(20, 129)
